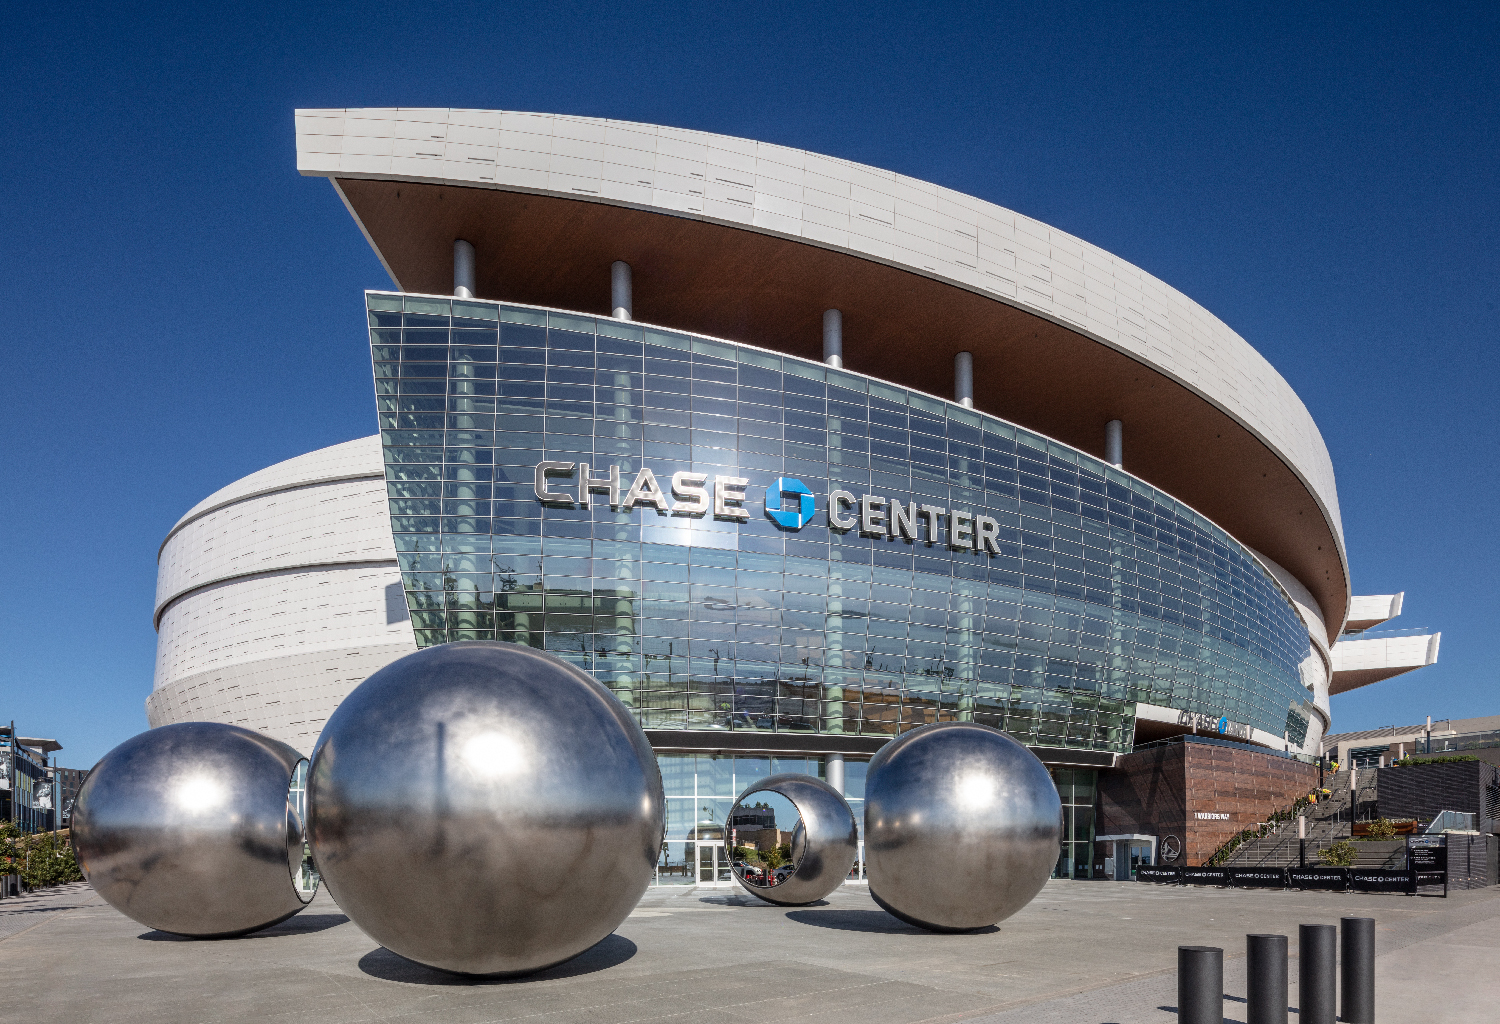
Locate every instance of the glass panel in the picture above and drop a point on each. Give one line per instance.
(1103, 593)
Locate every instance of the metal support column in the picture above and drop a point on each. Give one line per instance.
(1114, 444)
(463, 269)
(963, 379)
(833, 338)
(833, 768)
(621, 304)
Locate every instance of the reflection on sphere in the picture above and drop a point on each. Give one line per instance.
(821, 845)
(485, 808)
(188, 829)
(962, 825)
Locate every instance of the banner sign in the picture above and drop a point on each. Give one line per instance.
(1257, 878)
(1205, 876)
(1429, 878)
(1379, 880)
(1165, 875)
(1327, 879)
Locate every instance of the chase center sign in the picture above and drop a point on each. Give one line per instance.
(788, 502)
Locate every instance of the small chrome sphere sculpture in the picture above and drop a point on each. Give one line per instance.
(962, 825)
(825, 842)
(188, 829)
(485, 808)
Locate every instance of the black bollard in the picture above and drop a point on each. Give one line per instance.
(1200, 985)
(1317, 973)
(1357, 991)
(1265, 981)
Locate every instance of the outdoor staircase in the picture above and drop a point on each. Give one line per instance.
(1328, 822)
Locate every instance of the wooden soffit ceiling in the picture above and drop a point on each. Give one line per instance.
(748, 286)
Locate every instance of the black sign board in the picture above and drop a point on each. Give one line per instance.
(1257, 878)
(1167, 875)
(1205, 876)
(1427, 857)
(1379, 880)
(1330, 879)
(1430, 878)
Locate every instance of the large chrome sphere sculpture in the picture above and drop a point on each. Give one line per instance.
(825, 842)
(962, 825)
(485, 808)
(188, 829)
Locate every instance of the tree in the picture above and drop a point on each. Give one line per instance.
(41, 858)
(50, 861)
(12, 855)
(773, 858)
(1340, 855)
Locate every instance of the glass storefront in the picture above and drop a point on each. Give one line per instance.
(701, 789)
(1094, 591)
(1077, 787)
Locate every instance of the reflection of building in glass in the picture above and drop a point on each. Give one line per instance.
(770, 557)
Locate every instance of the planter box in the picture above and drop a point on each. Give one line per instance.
(1403, 828)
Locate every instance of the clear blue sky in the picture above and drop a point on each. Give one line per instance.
(183, 309)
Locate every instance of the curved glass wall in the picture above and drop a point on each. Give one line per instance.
(1092, 590)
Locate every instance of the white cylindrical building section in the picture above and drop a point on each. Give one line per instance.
(463, 269)
(833, 338)
(621, 306)
(963, 379)
(279, 594)
(1114, 444)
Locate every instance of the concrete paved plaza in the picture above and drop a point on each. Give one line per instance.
(1081, 953)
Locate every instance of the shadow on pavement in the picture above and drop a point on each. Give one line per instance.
(297, 924)
(749, 901)
(858, 921)
(609, 952)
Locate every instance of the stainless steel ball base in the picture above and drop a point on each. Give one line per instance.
(485, 809)
(187, 829)
(825, 843)
(962, 826)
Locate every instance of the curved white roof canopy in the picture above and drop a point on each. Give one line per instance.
(839, 205)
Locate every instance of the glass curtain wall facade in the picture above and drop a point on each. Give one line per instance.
(701, 789)
(1098, 590)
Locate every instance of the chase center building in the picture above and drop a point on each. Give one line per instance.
(792, 453)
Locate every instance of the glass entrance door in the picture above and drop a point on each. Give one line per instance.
(713, 864)
(1140, 856)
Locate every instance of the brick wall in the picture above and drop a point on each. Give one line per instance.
(1202, 793)
(1144, 795)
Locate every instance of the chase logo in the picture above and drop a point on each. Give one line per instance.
(792, 517)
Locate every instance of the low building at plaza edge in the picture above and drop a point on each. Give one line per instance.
(794, 455)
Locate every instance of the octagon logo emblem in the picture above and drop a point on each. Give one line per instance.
(791, 514)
